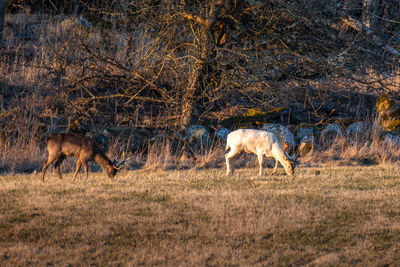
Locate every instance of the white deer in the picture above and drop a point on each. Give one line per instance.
(261, 143)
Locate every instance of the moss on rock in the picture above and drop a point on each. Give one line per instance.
(253, 116)
(388, 109)
(342, 122)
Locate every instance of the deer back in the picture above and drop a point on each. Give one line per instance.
(70, 144)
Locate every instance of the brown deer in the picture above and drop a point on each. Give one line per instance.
(83, 148)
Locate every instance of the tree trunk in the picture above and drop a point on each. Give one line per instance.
(206, 47)
(194, 87)
(370, 7)
(189, 102)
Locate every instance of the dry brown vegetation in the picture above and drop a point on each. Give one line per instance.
(323, 216)
(146, 63)
(159, 65)
(136, 67)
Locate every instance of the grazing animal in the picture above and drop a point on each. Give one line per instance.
(83, 148)
(261, 143)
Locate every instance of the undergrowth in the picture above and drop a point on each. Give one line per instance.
(26, 153)
(43, 57)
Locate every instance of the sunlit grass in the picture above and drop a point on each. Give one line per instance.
(323, 216)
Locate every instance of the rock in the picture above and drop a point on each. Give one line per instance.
(53, 128)
(105, 132)
(391, 139)
(197, 134)
(356, 129)
(98, 137)
(283, 134)
(330, 133)
(304, 129)
(159, 138)
(83, 22)
(222, 133)
(388, 109)
(128, 163)
(72, 23)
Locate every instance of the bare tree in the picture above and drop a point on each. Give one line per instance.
(186, 39)
(369, 12)
(175, 61)
(205, 44)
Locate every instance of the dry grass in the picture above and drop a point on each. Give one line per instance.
(324, 216)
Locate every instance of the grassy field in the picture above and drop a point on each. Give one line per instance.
(322, 216)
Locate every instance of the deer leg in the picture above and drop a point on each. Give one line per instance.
(260, 162)
(57, 166)
(85, 168)
(46, 164)
(78, 165)
(231, 154)
(275, 168)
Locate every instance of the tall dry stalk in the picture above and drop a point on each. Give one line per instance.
(160, 155)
